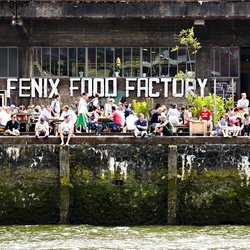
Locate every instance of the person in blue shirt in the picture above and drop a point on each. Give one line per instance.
(141, 126)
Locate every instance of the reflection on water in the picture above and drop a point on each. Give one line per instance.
(49, 237)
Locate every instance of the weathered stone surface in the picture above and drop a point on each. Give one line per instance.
(29, 189)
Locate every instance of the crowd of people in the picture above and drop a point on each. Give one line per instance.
(120, 117)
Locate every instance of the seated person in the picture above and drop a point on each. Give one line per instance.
(205, 115)
(66, 129)
(42, 129)
(12, 127)
(165, 126)
(130, 121)
(155, 117)
(238, 127)
(222, 128)
(141, 126)
(173, 115)
(117, 120)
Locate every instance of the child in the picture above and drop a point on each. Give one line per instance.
(222, 128)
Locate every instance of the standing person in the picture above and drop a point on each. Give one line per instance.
(141, 126)
(56, 105)
(206, 115)
(12, 127)
(82, 120)
(95, 101)
(66, 129)
(42, 129)
(243, 102)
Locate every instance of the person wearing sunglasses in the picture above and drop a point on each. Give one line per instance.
(12, 127)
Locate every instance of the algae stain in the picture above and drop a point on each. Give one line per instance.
(186, 165)
(244, 170)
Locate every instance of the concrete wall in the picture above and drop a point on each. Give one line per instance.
(125, 181)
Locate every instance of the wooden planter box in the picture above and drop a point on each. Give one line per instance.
(198, 127)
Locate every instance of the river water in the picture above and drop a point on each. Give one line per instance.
(47, 237)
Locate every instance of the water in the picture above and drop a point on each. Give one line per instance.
(66, 237)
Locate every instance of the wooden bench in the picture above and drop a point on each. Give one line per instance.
(181, 130)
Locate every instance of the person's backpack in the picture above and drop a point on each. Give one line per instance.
(90, 106)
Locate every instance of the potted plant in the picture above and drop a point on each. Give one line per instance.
(118, 67)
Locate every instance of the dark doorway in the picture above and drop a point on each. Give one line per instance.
(245, 70)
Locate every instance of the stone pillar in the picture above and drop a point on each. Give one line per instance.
(64, 160)
(172, 184)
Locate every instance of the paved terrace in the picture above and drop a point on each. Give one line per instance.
(119, 139)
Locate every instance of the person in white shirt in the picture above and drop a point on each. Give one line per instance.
(4, 117)
(130, 121)
(42, 129)
(56, 105)
(68, 112)
(83, 113)
(173, 115)
(96, 101)
(66, 129)
(243, 102)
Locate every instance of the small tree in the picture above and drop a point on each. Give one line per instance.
(187, 39)
(140, 107)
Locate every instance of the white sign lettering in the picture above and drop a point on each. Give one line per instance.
(144, 87)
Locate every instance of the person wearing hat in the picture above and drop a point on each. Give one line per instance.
(66, 129)
(165, 126)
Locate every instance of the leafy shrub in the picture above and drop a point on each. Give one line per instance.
(140, 107)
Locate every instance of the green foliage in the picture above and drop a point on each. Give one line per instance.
(140, 107)
(229, 103)
(209, 101)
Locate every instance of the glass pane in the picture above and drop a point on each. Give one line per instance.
(92, 62)
(37, 68)
(72, 61)
(13, 62)
(100, 62)
(81, 62)
(155, 61)
(182, 60)
(63, 62)
(234, 62)
(136, 66)
(3, 62)
(224, 61)
(146, 62)
(55, 62)
(215, 62)
(127, 62)
(46, 61)
(164, 59)
(109, 62)
(118, 62)
(173, 63)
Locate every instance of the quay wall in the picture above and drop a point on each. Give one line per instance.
(113, 180)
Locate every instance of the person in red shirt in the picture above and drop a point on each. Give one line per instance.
(205, 115)
(117, 121)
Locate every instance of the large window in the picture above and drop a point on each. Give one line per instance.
(8, 62)
(112, 62)
(225, 62)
